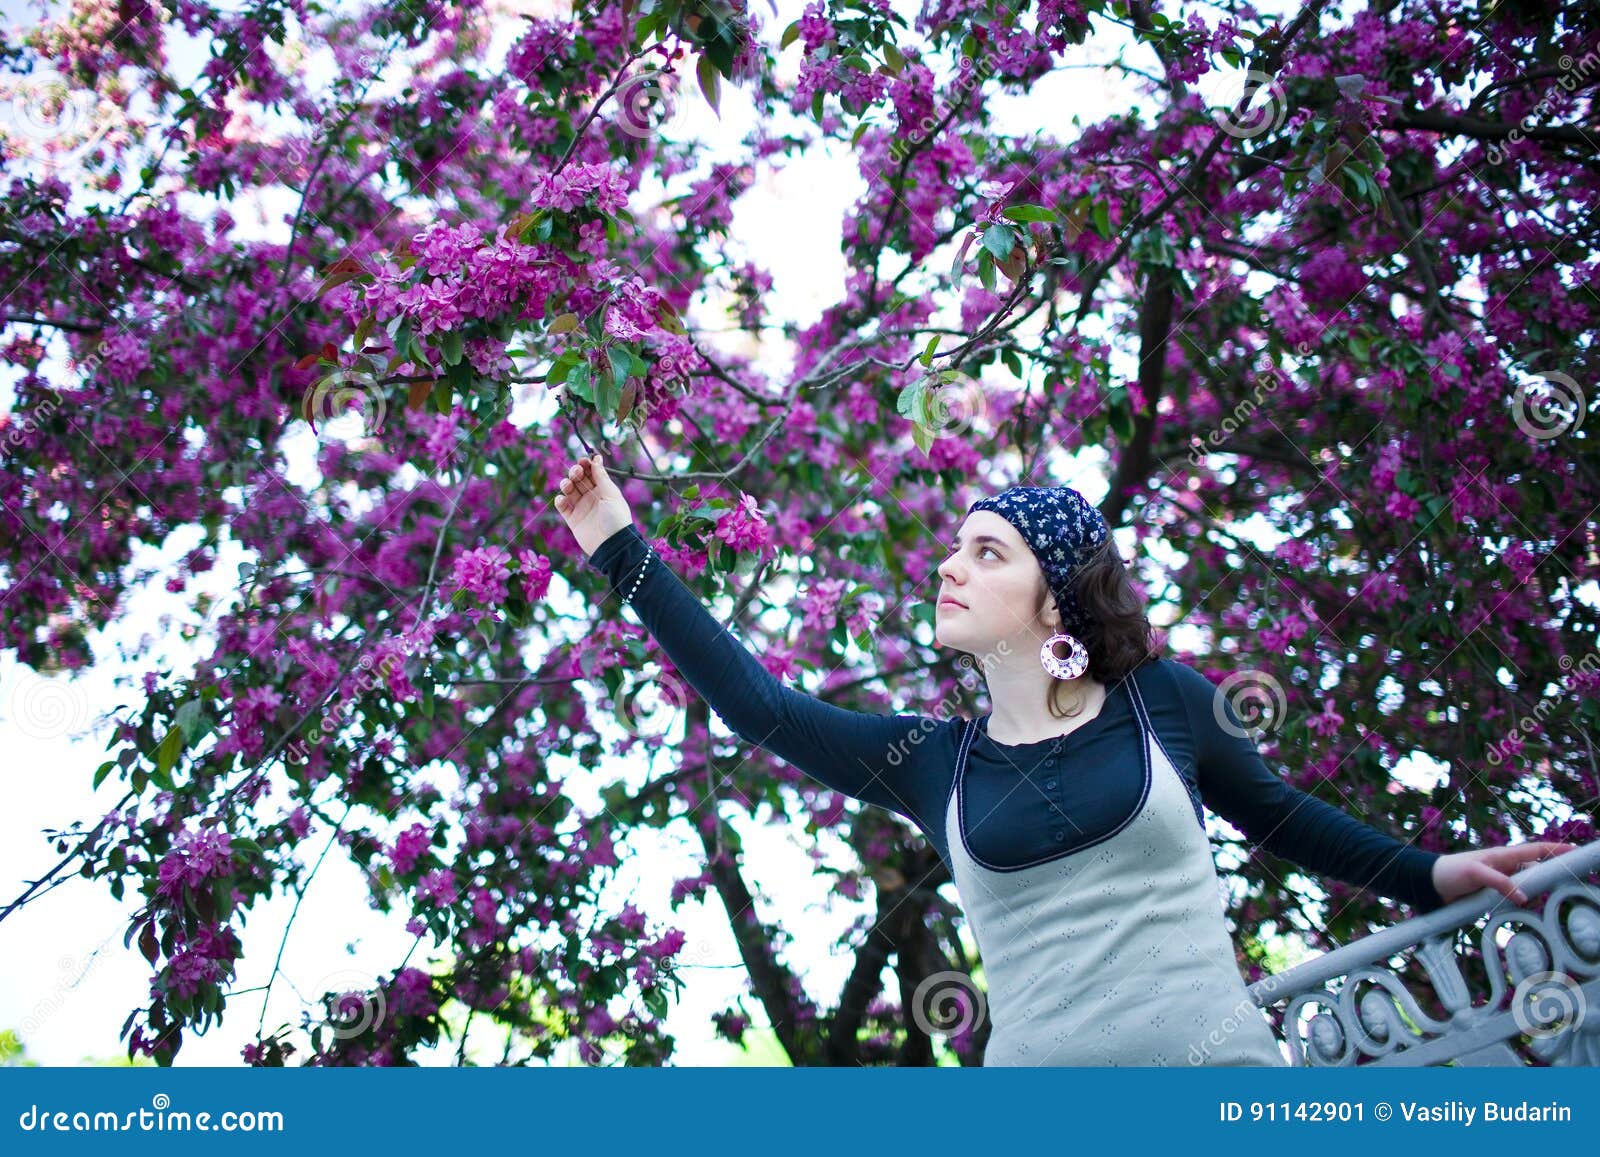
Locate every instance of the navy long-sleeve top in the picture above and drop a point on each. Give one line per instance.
(1024, 805)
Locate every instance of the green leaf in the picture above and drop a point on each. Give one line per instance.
(656, 1001)
(451, 345)
(167, 755)
(1000, 241)
(621, 364)
(579, 384)
(1121, 415)
(1026, 213)
(911, 400)
(710, 83)
(188, 718)
(103, 771)
(986, 269)
(1101, 214)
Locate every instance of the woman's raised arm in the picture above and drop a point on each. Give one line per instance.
(864, 755)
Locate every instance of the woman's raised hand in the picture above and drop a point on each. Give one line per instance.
(591, 503)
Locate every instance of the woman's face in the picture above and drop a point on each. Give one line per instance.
(994, 575)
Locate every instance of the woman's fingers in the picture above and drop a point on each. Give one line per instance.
(574, 485)
(582, 477)
(1532, 853)
(1489, 878)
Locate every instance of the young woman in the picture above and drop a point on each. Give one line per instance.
(1070, 815)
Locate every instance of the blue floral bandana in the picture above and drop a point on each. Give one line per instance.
(1063, 530)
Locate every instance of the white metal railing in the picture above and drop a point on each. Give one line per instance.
(1535, 982)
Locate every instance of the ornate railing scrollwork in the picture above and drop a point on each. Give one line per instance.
(1539, 988)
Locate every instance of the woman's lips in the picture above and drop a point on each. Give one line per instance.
(952, 603)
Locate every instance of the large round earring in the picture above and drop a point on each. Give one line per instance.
(1076, 662)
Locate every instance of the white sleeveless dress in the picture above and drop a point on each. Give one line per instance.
(1117, 953)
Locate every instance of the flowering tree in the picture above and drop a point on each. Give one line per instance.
(1345, 309)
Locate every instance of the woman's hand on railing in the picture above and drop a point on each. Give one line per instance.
(592, 504)
(1461, 874)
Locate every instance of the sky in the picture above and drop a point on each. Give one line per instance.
(67, 1001)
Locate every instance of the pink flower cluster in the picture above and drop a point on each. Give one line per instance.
(195, 857)
(472, 280)
(438, 887)
(483, 573)
(820, 604)
(743, 527)
(443, 250)
(409, 847)
(412, 992)
(544, 43)
(536, 572)
(203, 960)
(567, 189)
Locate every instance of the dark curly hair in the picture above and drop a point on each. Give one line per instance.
(1120, 636)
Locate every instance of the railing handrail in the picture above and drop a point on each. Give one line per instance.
(1533, 881)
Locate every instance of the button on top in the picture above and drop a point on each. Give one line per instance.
(1049, 784)
(1060, 835)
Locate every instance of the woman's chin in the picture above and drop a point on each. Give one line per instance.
(947, 635)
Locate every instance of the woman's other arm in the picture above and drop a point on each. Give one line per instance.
(1236, 783)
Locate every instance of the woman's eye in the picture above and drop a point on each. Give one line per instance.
(991, 550)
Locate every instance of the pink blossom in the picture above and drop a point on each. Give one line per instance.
(820, 604)
(195, 857)
(536, 573)
(483, 573)
(743, 527)
(1326, 723)
(567, 189)
(413, 993)
(668, 945)
(438, 887)
(1401, 506)
(202, 960)
(408, 847)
